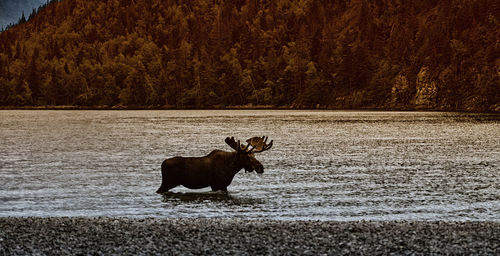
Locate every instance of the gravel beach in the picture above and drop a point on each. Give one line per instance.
(129, 236)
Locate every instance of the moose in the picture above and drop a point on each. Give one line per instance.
(217, 169)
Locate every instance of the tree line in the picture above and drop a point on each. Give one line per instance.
(219, 53)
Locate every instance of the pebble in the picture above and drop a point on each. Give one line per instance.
(130, 236)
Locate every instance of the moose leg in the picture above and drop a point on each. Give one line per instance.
(218, 188)
(165, 187)
(166, 184)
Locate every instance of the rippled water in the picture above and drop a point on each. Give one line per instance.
(324, 165)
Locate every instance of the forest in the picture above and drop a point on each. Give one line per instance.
(328, 54)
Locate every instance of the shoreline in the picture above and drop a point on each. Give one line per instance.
(105, 235)
(242, 107)
(236, 107)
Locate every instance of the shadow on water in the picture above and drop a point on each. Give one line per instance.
(208, 197)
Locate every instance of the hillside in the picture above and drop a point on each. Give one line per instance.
(384, 54)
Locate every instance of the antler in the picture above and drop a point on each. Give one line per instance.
(259, 144)
(232, 143)
(237, 146)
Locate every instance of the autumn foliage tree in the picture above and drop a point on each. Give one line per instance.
(295, 53)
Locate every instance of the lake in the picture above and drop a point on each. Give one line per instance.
(324, 165)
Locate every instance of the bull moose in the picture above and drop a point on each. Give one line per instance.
(217, 169)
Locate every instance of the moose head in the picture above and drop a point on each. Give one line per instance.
(245, 154)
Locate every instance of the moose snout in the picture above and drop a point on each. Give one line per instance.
(259, 168)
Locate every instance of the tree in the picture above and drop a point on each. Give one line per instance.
(33, 75)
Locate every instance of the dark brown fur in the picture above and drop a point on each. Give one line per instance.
(216, 170)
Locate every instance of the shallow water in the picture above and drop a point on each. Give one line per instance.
(324, 165)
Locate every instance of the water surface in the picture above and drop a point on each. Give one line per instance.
(324, 165)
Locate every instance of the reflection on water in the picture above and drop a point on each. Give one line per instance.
(324, 165)
(220, 198)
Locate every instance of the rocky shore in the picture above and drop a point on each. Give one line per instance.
(128, 236)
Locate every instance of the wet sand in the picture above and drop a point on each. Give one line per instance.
(129, 236)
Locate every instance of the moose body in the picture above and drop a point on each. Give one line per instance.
(216, 170)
